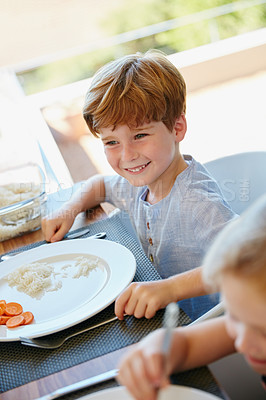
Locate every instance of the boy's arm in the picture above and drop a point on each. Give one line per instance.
(143, 299)
(142, 370)
(189, 284)
(58, 223)
(90, 194)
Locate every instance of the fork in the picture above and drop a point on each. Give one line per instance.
(54, 342)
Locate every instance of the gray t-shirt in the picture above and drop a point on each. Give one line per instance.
(176, 232)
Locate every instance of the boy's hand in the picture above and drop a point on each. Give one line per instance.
(142, 370)
(56, 225)
(143, 299)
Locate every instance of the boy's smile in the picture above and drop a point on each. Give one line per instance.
(146, 155)
(137, 169)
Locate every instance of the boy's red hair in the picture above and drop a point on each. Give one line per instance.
(133, 90)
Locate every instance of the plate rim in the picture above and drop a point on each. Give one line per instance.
(118, 389)
(38, 330)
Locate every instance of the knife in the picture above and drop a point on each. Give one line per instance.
(100, 235)
(71, 235)
(106, 376)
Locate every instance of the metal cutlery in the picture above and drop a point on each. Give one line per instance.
(99, 235)
(170, 321)
(54, 342)
(214, 312)
(68, 236)
(73, 235)
(106, 376)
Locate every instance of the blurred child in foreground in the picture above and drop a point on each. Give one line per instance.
(235, 265)
(136, 105)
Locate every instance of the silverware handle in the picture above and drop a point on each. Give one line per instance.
(71, 235)
(25, 340)
(214, 312)
(106, 376)
(100, 235)
(92, 327)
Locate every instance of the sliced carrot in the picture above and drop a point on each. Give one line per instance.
(13, 309)
(12, 315)
(3, 319)
(2, 308)
(13, 322)
(28, 317)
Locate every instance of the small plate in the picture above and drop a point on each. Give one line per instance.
(77, 299)
(172, 392)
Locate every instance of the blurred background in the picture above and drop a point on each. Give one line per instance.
(50, 50)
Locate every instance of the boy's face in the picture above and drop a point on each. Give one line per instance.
(144, 155)
(246, 318)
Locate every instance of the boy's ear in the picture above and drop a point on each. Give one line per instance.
(180, 127)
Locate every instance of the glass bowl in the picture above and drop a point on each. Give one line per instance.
(22, 200)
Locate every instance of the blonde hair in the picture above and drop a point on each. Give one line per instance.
(133, 90)
(240, 248)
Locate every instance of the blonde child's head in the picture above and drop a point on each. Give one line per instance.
(134, 90)
(236, 265)
(240, 249)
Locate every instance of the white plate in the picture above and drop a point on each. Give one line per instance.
(172, 392)
(78, 299)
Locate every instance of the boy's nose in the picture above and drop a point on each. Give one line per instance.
(128, 153)
(246, 340)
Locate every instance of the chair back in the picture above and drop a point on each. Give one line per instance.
(241, 177)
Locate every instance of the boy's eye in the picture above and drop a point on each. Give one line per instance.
(110, 143)
(140, 135)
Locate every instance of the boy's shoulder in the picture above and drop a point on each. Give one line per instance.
(195, 165)
(200, 189)
(197, 177)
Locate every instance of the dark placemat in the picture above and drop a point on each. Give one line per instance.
(21, 364)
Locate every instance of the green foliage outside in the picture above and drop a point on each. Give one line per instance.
(135, 14)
